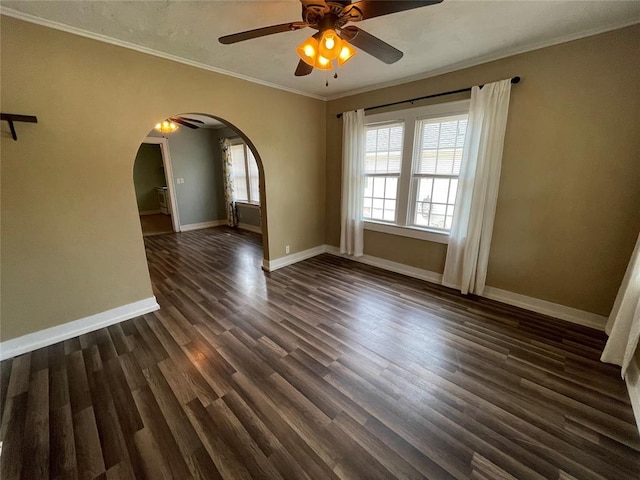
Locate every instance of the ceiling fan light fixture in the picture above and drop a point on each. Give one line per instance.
(346, 53)
(330, 44)
(308, 51)
(323, 63)
(166, 126)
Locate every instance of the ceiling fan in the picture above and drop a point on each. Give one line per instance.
(331, 42)
(187, 122)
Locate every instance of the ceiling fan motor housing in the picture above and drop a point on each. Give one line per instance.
(330, 15)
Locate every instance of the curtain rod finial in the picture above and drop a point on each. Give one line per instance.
(515, 80)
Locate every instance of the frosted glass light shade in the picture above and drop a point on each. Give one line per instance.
(323, 63)
(308, 51)
(346, 53)
(330, 44)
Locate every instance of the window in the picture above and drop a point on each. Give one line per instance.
(382, 171)
(412, 164)
(436, 170)
(245, 173)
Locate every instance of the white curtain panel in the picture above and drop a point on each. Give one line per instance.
(623, 326)
(470, 238)
(353, 145)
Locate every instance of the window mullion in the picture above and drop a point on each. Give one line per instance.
(404, 183)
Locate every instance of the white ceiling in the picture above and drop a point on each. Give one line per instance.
(435, 39)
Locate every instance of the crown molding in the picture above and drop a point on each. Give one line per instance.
(9, 12)
(491, 57)
(500, 54)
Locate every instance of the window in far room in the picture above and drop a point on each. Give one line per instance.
(245, 173)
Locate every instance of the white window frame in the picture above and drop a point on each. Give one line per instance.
(386, 175)
(239, 141)
(405, 201)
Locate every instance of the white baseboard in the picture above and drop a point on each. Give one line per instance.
(250, 228)
(396, 267)
(271, 265)
(544, 307)
(198, 226)
(555, 310)
(632, 379)
(150, 212)
(49, 336)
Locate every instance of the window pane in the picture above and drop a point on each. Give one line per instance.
(390, 205)
(391, 188)
(439, 158)
(448, 221)
(366, 212)
(453, 188)
(239, 173)
(254, 179)
(368, 187)
(441, 143)
(424, 189)
(445, 161)
(440, 190)
(435, 200)
(378, 187)
(380, 198)
(384, 148)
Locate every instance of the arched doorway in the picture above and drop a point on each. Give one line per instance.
(202, 158)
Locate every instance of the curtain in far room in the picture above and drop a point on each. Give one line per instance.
(353, 146)
(472, 225)
(623, 326)
(227, 171)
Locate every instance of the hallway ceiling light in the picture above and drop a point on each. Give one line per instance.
(166, 126)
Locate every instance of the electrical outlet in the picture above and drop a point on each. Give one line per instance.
(287, 249)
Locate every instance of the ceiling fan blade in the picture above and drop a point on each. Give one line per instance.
(377, 8)
(371, 44)
(303, 69)
(182, 122)
(261, 32)
(192, 120)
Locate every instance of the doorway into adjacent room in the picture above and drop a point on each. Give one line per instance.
(155, 197)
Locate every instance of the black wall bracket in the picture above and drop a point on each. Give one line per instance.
(12, 117)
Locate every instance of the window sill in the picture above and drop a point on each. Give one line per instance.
(248, 204)
(405, 231)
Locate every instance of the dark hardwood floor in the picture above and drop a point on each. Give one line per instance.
(325, 369)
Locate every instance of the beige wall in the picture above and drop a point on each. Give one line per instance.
(63, 258)
(568, 209)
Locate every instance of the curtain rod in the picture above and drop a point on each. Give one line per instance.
(514, 80)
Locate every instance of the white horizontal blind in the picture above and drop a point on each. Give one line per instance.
(239, 173)
(436, 170)
(254, 181)
(383, 162)
(245, 173)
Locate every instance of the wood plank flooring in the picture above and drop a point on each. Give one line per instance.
(326, 369)
(156, 224)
